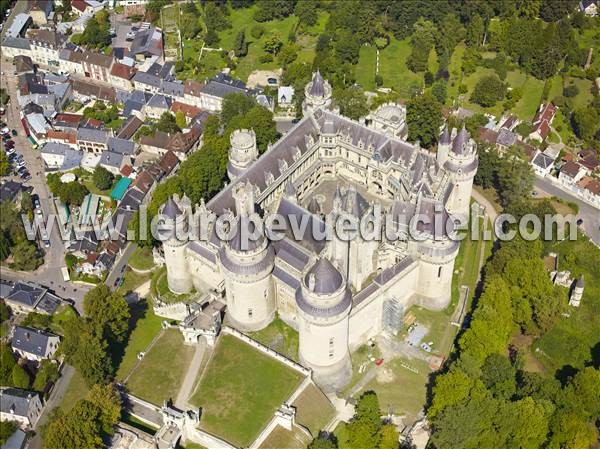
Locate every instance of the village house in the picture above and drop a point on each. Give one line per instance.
(25, 297)
(92, 140)
(40, 11)
(60, 156)
(34, 344)
(46, 46)
(16, 46)
(21, 406)
(188, 110)
(71, 62)
(589, 189)
(120, 76)
(570, 174)
(589, 7)
(157, 105)
(86, 90)
(97, 66)
(542, 121)
(542, 163)
(180, 143)
(114, 162)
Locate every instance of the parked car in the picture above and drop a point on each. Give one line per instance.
(5, 130)
(14, 132)
(9, 146)
(10, 150)
(20, 163)
(47, 243)
(25, 176)
(9, 141)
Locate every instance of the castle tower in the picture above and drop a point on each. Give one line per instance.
(436, 253)
(577, 293)
(242, 153)
(462, 165)
(178, 277)
(324, 303)
(443, 147)
(317, 94)
(247, 264)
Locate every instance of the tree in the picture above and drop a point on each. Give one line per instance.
(7, 365)
(235, 104)
(488, 91)
(439, 91)
(585, 122)
(451, 33)
(79, 428)
(288, 54)
(108, 313)
(4, 164)
(555, 10)
(240, 46)
(108, 401)
(363, 430)
(424, 118)
(352, 102)
(306, 11)
(26, 256)
(499, 376)
(273, 44)
(257, 31)
(47, 372)
(418, 59)
(322, 443)
(102, 178)
(389, 437)
(4, 311)
(273, 9)
(20, 378)
(167, 123)
(180, 119)
(7, 428)
(515, 182)
(475, 31)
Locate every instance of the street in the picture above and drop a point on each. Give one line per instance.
(49, 274)
(589, 214)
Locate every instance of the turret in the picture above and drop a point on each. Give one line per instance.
(324, 301)
(242, 153)
(317, 94)
(247, 261)
(443, 147)
(178, 278)
(462, 165)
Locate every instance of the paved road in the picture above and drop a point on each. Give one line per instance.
(589, 214)
(189, 381)
(49, 274)
(53, 401)
(119, 266)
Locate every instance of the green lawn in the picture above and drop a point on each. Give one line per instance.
(313, 409)
(132, 280)
(399, 389)
(584, 97)
(571, 340)
(146, 326)
(280, 337)
(160, 373)
(281, 438)
(76, 390)
(240, 390)
(365, 69)
(141, 258)
(392, 67)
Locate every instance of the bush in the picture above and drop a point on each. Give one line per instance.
(428, 78)
(463, 89)
(102, 178)
(257, 31)
(378, 80)
(488, 91)
(571, 91)
(267, 57)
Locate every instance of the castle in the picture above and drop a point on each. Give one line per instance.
(340, 292)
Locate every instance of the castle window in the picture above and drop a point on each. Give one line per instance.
(249, 313)
(439, 272)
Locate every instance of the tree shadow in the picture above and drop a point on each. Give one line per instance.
(595, 356)
(138, 311)
(565, 374)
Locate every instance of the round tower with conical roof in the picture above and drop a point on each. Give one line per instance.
(317, 94)
(324, 300)
(178, 276)
(462, 165)
(247, 263)
(242, 152)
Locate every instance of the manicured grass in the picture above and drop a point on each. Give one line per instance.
(240, 390)
(284, 439)
(76, 390)
(392, 67)
(139, 424)
(133, 280)
(160, 373)
(313, 409)
(141, 258)
(365, 69)
(455, 71)
(280, 337)
(571, 340)
(399, 389)
(146, 326)
(584, 97)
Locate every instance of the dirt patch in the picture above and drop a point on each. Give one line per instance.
(385, 376)
(524, 343)
(260, 77)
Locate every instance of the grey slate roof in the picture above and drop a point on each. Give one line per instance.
(317, 87)
(171, 209)
(146, 78)
(327, 277)
(122, 146)
(16, 42)
(111, 159)
(460, 141)
(506, 137)
(543, 161)
(92, 135)
(16, 441)
(159, 101)
(33, 341)
(16, 401)
(55, 148)
(445, 137)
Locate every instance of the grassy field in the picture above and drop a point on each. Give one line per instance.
(399, 389)
(141, 258)
(160, 373)
(146, 326)
(76, 390)
(132, 280)
(284, 439)
(280, 337)
(240, 390)
(573, 339)
(313, 409)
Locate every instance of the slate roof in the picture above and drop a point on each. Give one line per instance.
(92, 135)
(543, 161)
(111, 159)
(171, 209)
(317, 87)
(16, 401)
(33, 341)
(119, 145)
(327, 277)
(16, 42)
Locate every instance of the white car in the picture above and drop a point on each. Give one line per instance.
(10, 151)
(21, 163)
(5, 130)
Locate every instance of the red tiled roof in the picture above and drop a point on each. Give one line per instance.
(122, 71)
(546, 113)
(80, 5)
(188, 110)
(65, 136)
(570, 169)
(192, 87)
(68, 118)
(126, 170)
(168, 162)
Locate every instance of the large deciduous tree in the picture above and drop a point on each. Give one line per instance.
(424, 118)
